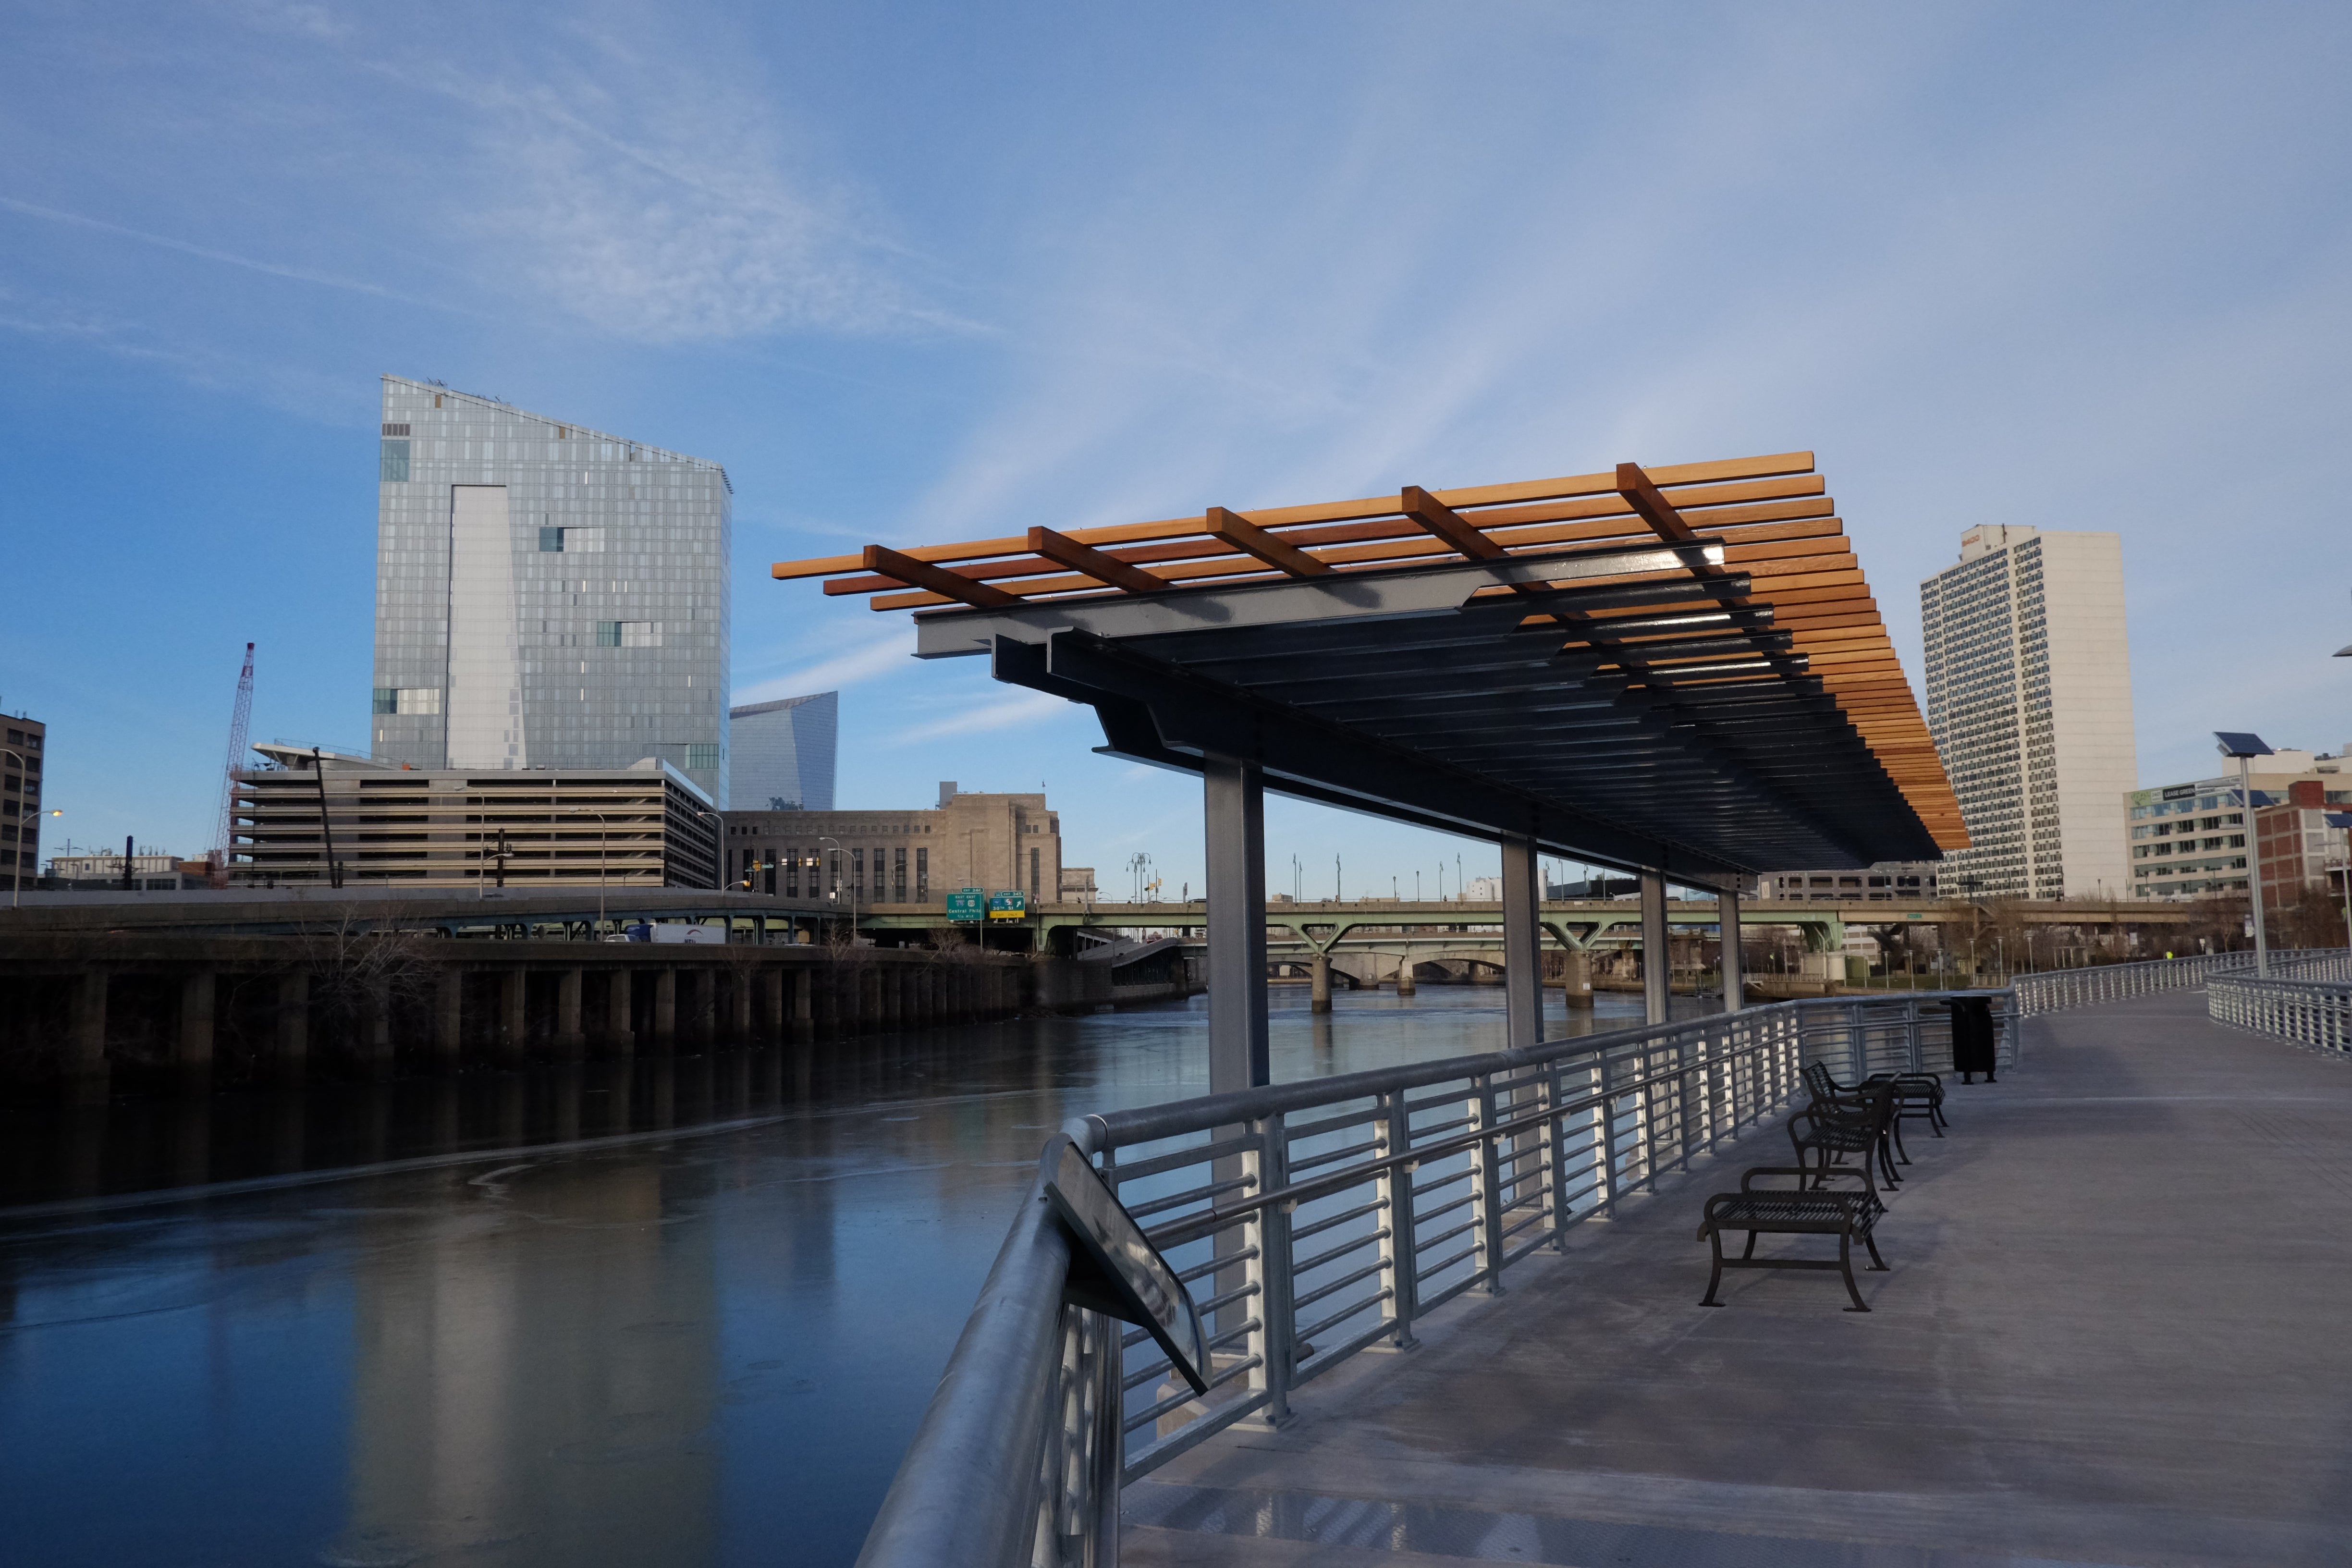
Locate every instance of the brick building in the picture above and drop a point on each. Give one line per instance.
(998, 843)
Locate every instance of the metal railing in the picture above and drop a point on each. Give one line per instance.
(1318, 1219)
(2307, 999)
(2049, 992)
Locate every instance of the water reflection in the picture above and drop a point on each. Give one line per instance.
(680, 1312)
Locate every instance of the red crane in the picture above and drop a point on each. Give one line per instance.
(240, 721)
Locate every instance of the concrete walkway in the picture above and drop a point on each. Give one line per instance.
(2118, 1329)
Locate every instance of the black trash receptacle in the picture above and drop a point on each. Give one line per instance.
(1972, 1038)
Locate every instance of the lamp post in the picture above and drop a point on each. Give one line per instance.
(603, 834)
(827, 838)
(2245, 747)
(16, 864)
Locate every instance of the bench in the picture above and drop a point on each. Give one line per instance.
(1917, 1095)
(1807, 1209)
(1857, 1121)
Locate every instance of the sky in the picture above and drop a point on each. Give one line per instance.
(931, 272)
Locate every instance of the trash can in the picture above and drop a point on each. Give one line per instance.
(1972, 1038)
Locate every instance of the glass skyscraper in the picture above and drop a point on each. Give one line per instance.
(784, 753)
(547, 596)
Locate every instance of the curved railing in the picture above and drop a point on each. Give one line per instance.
(2049, 992)
(1317, 1219)
(2306, 998)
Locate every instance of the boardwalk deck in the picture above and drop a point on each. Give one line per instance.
(2112, 1334)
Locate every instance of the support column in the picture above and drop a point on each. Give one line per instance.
(376, 1031)
(570, 1041)
(620, 1014)
(1735, 973)
(1576, 976)
(85, 1065)
(772, 994)
(449, 1017)
(512, 1021)
(293, 1024)
(1320, 996)
(1522, 944)
(666, 1011)
(738, 1004)
(1236, 812)
(193, 1056)
(1658, 958)
(805, 996)
(1405, 977)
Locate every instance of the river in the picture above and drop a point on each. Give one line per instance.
(682, 1313)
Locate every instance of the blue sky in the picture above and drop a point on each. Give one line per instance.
(931, 272)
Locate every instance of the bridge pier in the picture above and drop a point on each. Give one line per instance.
(193, 1052)
(666, 1011)
(1405, 977)
(85, 1065)
(1320, 991)
(512, 1020)
(570, 1042)
(448, 1018)
(293, 1026)
(1576, 976)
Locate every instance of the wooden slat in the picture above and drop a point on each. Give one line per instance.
(1240, 530)
(1068, 552)
(935, 579)
(1446, 524)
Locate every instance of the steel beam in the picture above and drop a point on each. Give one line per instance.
(1657, 960)
(1522, 942)
(1735, 974)
(1233, 791)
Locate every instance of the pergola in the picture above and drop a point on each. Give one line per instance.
(1676, 671)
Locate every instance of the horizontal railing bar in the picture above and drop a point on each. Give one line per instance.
(1185, 1397)
(1344, 1247)
(1245, 1255)
(1311, 1161)
(1436, 1269)
(1177, 1158)
(1311, 1297)
(1301, 1233)
(1328, 1356)
(1192, 1196)
(1366, 1305)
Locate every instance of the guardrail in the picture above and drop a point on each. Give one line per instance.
(2054, 989)
(1318, 1219)
(2306, 999)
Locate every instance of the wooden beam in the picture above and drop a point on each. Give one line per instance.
(1652, 507)
(936, 579)
(1067, 552)
(1445, 523)
(1245, 535)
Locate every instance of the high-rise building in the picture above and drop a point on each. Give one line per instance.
(20, 806)
(547, 596)
(2189, 840)
(781, 754)
(2029, 698)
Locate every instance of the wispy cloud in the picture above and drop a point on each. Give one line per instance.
(165, 242)
(878, 657)
(1009, 713)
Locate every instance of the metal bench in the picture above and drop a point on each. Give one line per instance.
(1917, 1095)
(1807, 1209)
(1860, 1119)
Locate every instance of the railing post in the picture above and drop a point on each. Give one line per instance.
(1274, 1342)
(1605, 1138)
(1485, 1176)
(1556, 1154)
(1394, 1186)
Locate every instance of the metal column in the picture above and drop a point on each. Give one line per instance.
(1657, 973)
(1522, 944)
(1735, 974)
(1234, 798)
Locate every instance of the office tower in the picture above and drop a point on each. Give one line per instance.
(2029, 698)
(547, 596)
(781, 754)
(20, 806)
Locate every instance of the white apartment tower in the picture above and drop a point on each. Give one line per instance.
(2028, 698)
(547, 596)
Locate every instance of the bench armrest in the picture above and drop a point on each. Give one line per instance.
(1748, 1179)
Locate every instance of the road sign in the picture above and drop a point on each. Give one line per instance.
(1008, 906)
(965, 904)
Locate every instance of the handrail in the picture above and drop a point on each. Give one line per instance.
(2311, 1007)
(1431, 1180)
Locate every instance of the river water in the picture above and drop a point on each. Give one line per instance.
(681, 1312)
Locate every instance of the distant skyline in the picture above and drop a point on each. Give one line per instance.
(917, 272)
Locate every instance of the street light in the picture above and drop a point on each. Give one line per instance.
(2245, 747)
(837, 849)
(603, 834)
(16, 861)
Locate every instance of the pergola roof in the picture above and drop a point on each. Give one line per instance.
(1678, 668)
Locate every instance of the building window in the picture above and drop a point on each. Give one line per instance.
(1033, 854)
(550, 541)
(422, 700)
(395, 462)
(856, 871)
(922, 874)
(387, 699)
(898, 874)
(792, 858)
(701, 756)
(628, 634)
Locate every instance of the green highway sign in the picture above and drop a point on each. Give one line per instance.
(1008, 906)
(965, 904)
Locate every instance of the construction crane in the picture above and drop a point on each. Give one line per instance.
(225, 834)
